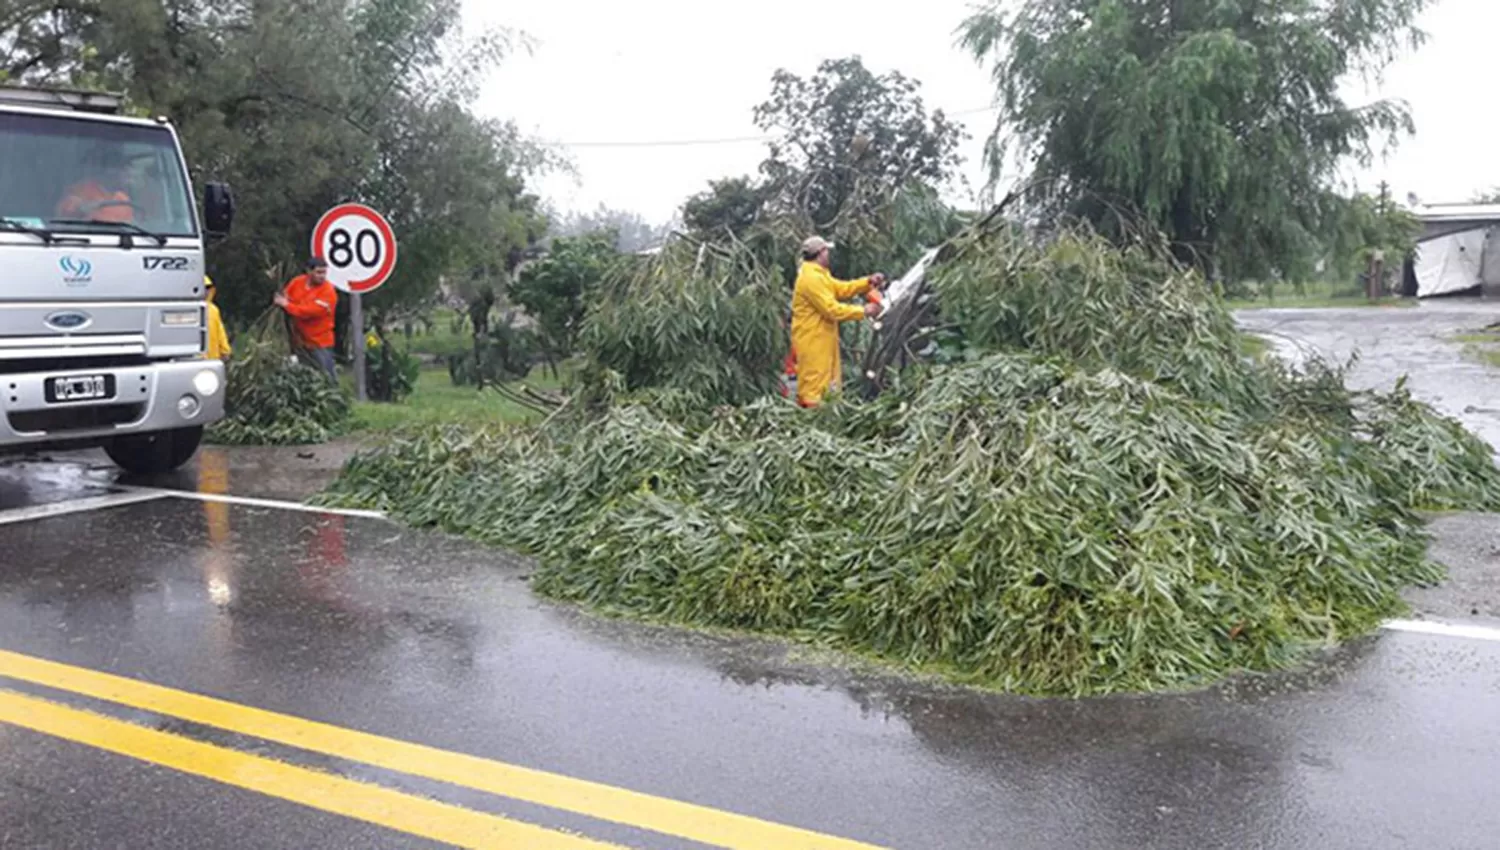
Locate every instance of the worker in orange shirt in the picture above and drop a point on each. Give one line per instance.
(310, 299)
(101, 197)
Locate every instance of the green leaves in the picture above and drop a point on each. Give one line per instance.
(706, 323)
(554, 290)
(390, 372)
(1222, 124)
(274, 399)
(1112, 498)
(862, 161)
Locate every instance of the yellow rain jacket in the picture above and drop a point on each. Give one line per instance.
(816, 313)
(218, 338)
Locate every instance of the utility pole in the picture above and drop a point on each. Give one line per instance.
(1376, 277)
(1375, 274)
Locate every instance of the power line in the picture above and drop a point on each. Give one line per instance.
(661, 144)
(731, 140)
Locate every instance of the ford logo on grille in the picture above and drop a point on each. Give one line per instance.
(68, 320)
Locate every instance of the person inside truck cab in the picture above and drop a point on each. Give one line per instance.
(102, 196)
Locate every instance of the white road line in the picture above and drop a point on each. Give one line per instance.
(1473, 631)
(259, 503)
(74, 506)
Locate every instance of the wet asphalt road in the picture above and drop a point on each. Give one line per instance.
(1390, 342)
(1391, 742)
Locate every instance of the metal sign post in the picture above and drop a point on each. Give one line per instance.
(357, 324)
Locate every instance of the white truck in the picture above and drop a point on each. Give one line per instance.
(103, 319)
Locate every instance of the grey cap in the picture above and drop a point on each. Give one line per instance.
(814, 245)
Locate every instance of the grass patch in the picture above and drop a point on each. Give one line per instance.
(1312, 296)
(1478, 337)
(441, 341)
(1254, 346)
(436, 401)
(1487, 356)
(1480, 346)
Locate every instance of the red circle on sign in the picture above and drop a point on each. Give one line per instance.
(383, 227)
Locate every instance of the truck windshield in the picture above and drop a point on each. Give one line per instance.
(65, 174)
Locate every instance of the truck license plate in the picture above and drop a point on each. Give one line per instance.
(79, 388)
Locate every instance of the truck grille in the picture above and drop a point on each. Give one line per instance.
(71, 364)
(75, 418)
(80, 345)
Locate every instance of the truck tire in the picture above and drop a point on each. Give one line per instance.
(154, 453)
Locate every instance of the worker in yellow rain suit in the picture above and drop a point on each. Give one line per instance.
(816, 314)
(218, 338)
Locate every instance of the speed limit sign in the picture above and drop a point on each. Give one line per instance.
(358, 244)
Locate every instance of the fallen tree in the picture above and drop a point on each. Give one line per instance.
(1100, 494)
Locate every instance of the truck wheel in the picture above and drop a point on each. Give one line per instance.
(155, 453)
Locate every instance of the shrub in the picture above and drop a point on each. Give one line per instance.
(390, 372)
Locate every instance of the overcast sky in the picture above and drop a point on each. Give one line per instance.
(611, 81)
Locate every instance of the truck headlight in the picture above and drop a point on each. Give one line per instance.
(206, 382)
(181, 318)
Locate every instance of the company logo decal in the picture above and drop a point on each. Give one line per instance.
(76, 270)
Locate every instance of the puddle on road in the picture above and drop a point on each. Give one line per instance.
(26, 483)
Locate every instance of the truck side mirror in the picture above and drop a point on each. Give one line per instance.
(218, 209)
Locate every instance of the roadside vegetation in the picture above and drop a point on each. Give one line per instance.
(1482, 346)
(436, 401)
(1251, 296)
(272, 399)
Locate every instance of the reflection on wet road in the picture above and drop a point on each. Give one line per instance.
(160, 664)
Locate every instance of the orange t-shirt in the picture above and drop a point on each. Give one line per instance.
(311, 305)
(87, 192)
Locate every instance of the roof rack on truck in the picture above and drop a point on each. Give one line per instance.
(75, 100)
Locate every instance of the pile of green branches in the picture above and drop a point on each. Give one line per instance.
(273, 398)
(1104, 495)
(696, 319)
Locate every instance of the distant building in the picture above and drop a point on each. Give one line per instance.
(1458, 251)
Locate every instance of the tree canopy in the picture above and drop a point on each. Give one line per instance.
(851, 139)
(553, 289)
(1220, 123)
(301, 104)
(855, 152)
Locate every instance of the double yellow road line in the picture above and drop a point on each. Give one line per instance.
(393, 809)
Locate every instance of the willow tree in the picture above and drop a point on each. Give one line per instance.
(1221, 122)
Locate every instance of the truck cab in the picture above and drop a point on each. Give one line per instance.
(103, 319)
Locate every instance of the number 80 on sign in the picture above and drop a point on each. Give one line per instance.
(358, 244)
